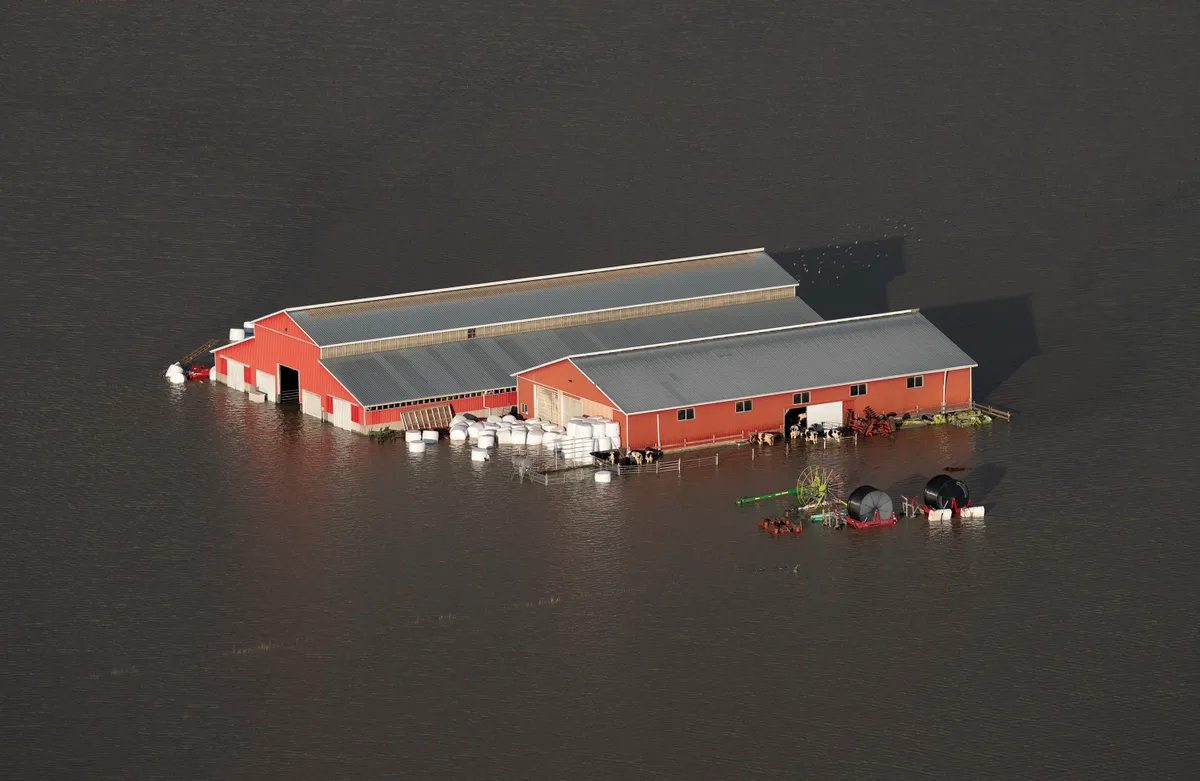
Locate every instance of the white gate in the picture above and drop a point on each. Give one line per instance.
(826, 414)
(310, 404)
(266, 383)
(547, 404)
(235, 375)
(341, 413)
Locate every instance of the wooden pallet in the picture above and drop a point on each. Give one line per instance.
(437, 416)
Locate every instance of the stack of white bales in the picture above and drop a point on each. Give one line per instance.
(175, 374)
(589, 434)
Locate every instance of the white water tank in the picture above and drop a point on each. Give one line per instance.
(237, 334)
(416, 447)
(248, 327)
(429, 435)
(603, 476)
(412, 436)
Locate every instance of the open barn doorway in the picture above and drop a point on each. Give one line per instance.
(289, 385)
(795, 417)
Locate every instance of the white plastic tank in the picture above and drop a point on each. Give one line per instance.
(487, 440)
(520, 436)
(604, 476)
(237, 334)
(248, 327)
(412, 436)
(416, 447)
(176, 379)
(458, 433)
(612, 429)
(479, 454)
(429, 435)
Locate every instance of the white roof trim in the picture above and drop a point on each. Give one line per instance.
(521, 279)
(548, 317)
(799, 390)
(774, 329)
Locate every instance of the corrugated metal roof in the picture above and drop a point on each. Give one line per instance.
(831, 353)
(391, 317)
(483, 364)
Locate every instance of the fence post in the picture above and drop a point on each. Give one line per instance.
(717, 459)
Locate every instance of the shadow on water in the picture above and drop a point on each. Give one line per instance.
(845, 280)
(850, 280)
(999, 334)
(984, 481)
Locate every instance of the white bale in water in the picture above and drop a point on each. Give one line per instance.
(174, 369)
(237, 334)
(557, 429)
(487, 440)
(603, 476)
(583, 431)
(479, 454)
(474, 430)
(429, 435)
(534, 436)
(458, 434)
(603, 444)
(509, 419)
(519, 436)
(176, 379)
(416, 447)
(612, 429)
(504, 436)
(460, 418)
(412, 435)
(255, 395)
(616, 442)
(493, 418)
(489, 426)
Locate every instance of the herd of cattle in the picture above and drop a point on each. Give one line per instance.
(795, 433)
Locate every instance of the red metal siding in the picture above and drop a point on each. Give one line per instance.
(564, 376)
(278, 340)
(501, 400)
(468, 404)
(721, 419)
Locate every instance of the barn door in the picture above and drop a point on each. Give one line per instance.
(235, 376)
(825, 414)
(547, 404)
(265, 382)
(572, 407)
(341, 413)
(310, 404)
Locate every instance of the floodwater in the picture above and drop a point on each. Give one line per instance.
(193, 587)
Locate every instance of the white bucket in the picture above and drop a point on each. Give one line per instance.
(519, 436)
(416, 447)
(603, 476)
(176, 379)
(429, 435)
(412, 436)
(487, 440)
(479, 454)
(458, 434)
(237, 334)
(612, 429)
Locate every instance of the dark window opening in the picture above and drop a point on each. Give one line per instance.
(800, 398)
(916, 382)
(686, 414)
(470, 333)
(858, 390)
(744, 406)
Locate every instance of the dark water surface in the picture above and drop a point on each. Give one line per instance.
(192, 587)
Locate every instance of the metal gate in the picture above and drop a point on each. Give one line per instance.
(341, 413)
(310, 404)
(266, 383)
(547, 404)
(235, 376)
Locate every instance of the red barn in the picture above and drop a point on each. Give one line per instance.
(415, 359)
(703, 389)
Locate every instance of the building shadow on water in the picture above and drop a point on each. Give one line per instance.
(846, 280)
(850, 280)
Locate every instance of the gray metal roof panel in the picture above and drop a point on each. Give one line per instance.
(482, 307)
(482, 364)
(832, 353)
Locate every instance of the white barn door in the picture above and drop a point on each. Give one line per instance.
(341, 413)
(266, 383)
(825, 414)
(235, 376)
(310, 404)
